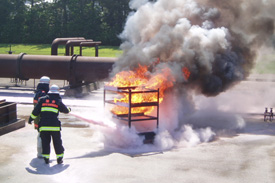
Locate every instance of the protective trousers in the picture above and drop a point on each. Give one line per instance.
(57, 143)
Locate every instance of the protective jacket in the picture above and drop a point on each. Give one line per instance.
(41, 90)
(48, 107)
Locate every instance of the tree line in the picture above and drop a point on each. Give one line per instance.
(41, 21)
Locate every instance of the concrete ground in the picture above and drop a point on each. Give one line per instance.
(239, 152)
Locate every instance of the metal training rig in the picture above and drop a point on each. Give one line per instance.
(134, 117)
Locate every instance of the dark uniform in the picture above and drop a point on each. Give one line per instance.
(41, 91)
(48, 107)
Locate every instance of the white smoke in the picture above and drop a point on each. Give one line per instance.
(181, 125)
(116, 136)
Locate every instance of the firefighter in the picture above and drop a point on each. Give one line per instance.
(41, 90)
(48, 107)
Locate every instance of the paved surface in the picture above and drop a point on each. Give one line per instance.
(243, 149)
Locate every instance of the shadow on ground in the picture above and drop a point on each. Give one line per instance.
(37, 166)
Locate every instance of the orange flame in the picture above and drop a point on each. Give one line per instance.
(142, 80)
(186, 73)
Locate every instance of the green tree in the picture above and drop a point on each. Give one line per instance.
(13, 29)
(114, 14)
(37, 29)
(38, 21)
(5, 9)
(84, 19)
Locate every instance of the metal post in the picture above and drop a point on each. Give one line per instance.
(158, 110)
(129, 113)
(10, 52)
(72, 50)
(96, 50)
(80, 51)
(104, 97)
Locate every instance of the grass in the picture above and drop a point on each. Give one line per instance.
(45, 49)
(265, 63)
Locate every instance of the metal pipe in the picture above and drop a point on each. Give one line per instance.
(72, 43)
(90, 44)
(62, 41)
(74, 69)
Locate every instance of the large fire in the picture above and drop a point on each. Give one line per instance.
(142, 80)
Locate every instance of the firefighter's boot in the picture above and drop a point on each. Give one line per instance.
(60, 160)
(47, 160)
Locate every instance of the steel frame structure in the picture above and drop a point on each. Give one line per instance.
(133, 117)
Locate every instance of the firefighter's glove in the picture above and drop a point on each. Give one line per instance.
(30, 121)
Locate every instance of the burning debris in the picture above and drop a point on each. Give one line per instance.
(140, 93)
(140, 80)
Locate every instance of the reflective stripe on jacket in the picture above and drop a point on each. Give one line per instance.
(48, 107)
(49, 128)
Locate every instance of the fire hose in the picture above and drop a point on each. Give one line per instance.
(88, 120)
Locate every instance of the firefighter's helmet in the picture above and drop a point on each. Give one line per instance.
(54, 89)
(44, 79)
